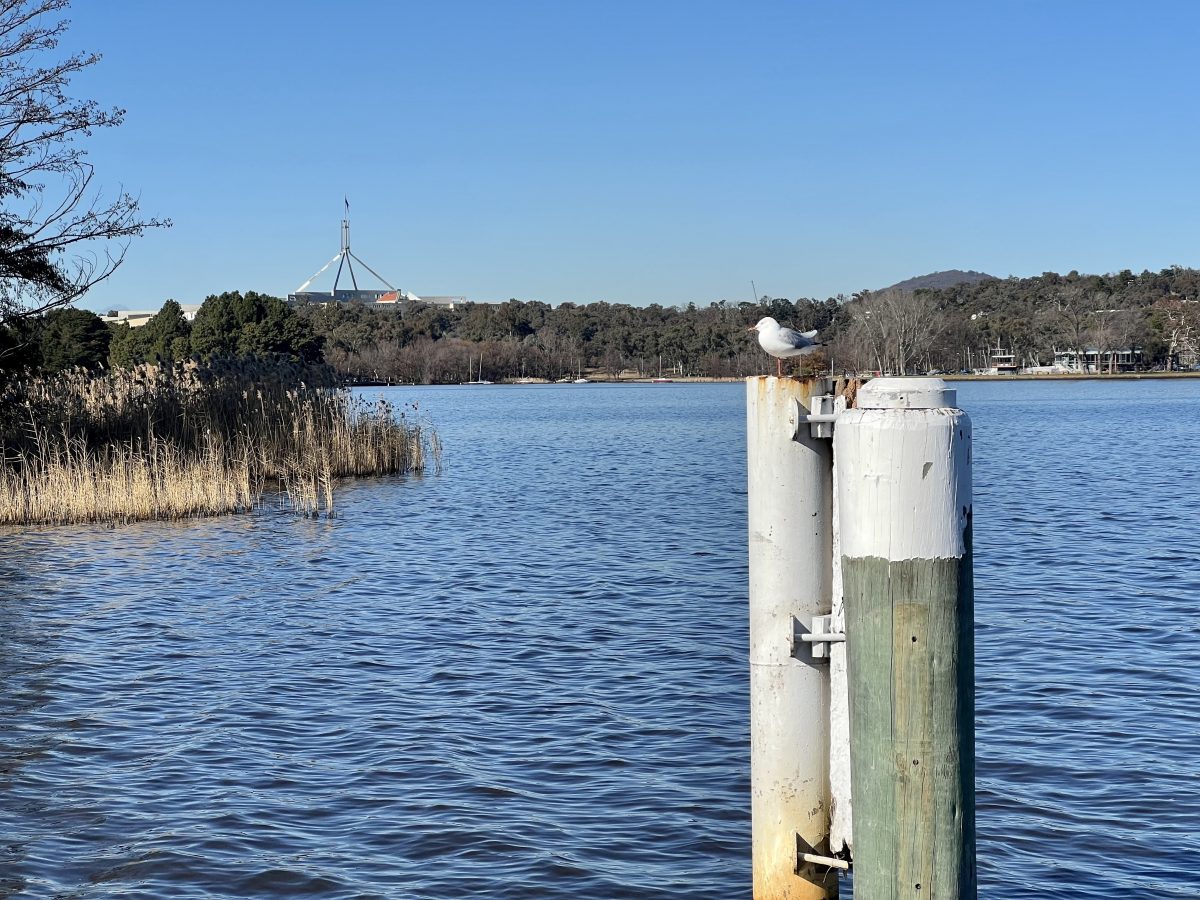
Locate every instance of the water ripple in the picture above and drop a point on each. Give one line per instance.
(527, 677)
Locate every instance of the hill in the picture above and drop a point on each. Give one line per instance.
(938, 280)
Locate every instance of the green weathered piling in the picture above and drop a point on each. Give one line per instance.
(905, 506)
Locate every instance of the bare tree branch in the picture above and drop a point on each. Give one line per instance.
(59, 235)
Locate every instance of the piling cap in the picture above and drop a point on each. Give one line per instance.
(906, 393)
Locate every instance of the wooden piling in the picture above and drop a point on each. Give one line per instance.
(904, 496)
(790, 518)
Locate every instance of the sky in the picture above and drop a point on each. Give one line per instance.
(657, 151)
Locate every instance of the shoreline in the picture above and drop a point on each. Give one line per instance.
(733, 379)
(1071, 376)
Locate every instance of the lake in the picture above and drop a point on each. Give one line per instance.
(527, 676)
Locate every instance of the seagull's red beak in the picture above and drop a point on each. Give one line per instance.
(752, 328)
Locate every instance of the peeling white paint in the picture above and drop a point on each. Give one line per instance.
(906, 393)
(840, 833)
(901, 490)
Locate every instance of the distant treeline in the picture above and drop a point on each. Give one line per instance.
(227, 326)
(517, 339)
(1156, 313)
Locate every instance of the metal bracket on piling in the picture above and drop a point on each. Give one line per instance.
(813, 866)
(831, 861)
(819, 637)
(820, 419)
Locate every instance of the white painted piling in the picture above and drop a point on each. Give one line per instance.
(841, 804)
(790, 518)
(904, 502)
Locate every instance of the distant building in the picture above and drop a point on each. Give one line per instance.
(135, 318)
(346, 259)
(1003, 362)
(343, 296)
(370, 298)
(450, 302)
(1093, 360)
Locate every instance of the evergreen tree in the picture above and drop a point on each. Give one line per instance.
(252, 324)
(163, 340)
(73, 337)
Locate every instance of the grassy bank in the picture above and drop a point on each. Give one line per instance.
(160, 443)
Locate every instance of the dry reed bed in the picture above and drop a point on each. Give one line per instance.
(158, 443)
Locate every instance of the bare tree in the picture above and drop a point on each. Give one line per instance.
(59, 236)
(895, 328)
(1074, 320)
(1181, 327)
(1103, 336)
(1113, 331)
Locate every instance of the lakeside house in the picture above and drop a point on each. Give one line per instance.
(1003, 362)
(1091, 359)
(1187, 358)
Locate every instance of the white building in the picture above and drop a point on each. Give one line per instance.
(1091, 359)
(135, 318)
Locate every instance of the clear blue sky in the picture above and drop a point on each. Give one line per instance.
(646, 151)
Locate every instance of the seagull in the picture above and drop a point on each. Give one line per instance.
(784, 343)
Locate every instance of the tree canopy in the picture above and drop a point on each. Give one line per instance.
(228, 325)
(165, 339)
(71, 338)
(252, 324)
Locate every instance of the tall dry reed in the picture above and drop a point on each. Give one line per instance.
(196, 440)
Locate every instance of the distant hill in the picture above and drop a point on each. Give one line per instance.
(939, 280)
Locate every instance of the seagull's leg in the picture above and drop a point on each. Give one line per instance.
(779, 365)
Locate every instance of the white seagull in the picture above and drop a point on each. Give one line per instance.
(784, 343)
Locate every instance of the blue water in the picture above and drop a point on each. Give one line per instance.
(527, 676)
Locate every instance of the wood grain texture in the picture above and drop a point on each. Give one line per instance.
(910, 647)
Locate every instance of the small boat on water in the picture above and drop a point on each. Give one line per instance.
(479, 378)
(581, 381)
